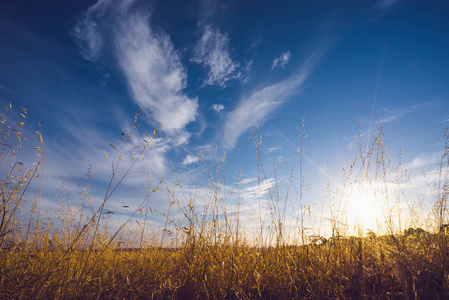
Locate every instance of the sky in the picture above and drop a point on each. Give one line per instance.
(211, 72)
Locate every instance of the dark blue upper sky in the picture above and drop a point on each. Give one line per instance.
(209, 70)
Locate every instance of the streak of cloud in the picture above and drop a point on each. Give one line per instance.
(265, 99)
(387, 115)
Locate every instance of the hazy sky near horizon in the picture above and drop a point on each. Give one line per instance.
(210, 70)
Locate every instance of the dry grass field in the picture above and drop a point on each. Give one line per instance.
(79, 257)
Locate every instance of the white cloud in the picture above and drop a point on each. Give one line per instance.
(387, 115)
(247, 180)
(88, 38)
(212, 51)
(260, 103)
(253, 108)
(445, 121)
(87, 33)
(272, 149)
(282, 60)
(218, 108)
(255, 190)
(190, 159)
(264, 99)
(152, 67)
(68, 157)
(422, 161)
(90, 147)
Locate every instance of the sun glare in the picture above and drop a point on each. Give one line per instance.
(364, 208)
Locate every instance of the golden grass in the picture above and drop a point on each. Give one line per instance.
(213, 257)
(349, 268)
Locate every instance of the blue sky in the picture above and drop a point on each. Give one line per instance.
(209, 70)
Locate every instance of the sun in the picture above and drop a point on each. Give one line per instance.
(363, 207)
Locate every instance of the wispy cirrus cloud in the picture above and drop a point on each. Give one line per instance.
(282, 60)
(91, 145)
(152, 67)
(387, 115)
(265, 99)
(272, 149)
(258, 105)
(255, 190)
(212, 51)
(88, 38)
